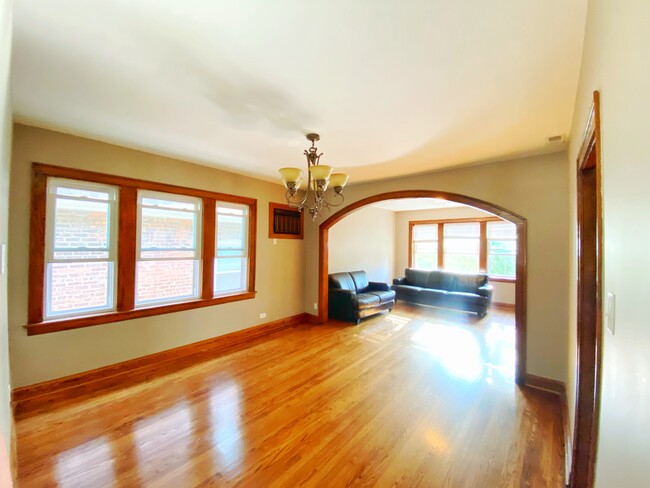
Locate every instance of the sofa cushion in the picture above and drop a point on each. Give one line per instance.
(417, 277)
(433, 297)
(360, 280)
(406, 291)
(384, 296)
(342, 281)
(461, 300)
(365, 300)
(468, 283)
(435, 280)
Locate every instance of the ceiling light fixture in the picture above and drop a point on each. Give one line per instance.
(319, 178)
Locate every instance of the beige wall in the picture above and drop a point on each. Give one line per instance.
(5, 156)
(365, 241)
(42, 357)
(615, 62)
(529, 187)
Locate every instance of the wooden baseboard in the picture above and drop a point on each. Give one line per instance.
(505, 306)
(558, 388)
(311, 318)
(568, 437)
(32, 399)
(546, 384)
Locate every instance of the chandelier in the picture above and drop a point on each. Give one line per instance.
(319, 178)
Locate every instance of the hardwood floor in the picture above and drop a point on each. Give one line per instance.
(420, 397)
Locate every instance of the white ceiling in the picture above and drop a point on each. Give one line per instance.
(393, 87)
(408, 204)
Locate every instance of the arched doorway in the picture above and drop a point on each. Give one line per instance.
(520, 284)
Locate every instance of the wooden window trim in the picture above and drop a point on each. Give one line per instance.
(483, 252)
(127, 222)
(275, 235)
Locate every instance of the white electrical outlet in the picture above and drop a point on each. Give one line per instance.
(315, 306)
(275, 241)
(610, 312)
(263, 315)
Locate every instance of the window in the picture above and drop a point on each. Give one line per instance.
(465, 245)
(231, 254)
(168, 261)
(80, 248)
(106, 248)
(501, 249)
(425, 246)
(462, 247)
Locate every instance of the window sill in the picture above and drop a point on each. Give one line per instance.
(501, 279)
(107, 318)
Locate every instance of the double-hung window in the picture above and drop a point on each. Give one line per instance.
(106, 248)
(169, 248)
(80, 248)
(462, 247)
(424, 246)
(231, 253)
(501, 249)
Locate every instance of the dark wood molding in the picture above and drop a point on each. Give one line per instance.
(122, 181)
(547, 384)
(520, 285)
(126, 248)
(275, 235)
(36, 286)
(589, 302)
(252, 245)
(483, 248)
(208, 249)
(33, 399)
(111, 317)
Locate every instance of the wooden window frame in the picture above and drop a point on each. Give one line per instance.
(482, 221)
(276, 235)
(126, 249)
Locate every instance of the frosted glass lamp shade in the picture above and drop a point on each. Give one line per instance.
(290, 175)
(320, 172)
(338, 179)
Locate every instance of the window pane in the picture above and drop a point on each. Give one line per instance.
(502, 265)
(426, 261)
(167, 229)
(78, 287)
(231, 235)
(81, 224)
(167, 254)
(501, 230)
(463, 246)
(83, 193)
(169, 204)
(469, 229)
(502, 247)
(80, 255)
(428, 232)
(230, 275)
(467, 263)
(166, 280)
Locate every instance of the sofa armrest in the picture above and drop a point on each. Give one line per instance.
(399, 281)
(486, 291)
(340, 304)
(377, 286)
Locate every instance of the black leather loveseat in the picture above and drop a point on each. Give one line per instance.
(459, 291)
(352, 296)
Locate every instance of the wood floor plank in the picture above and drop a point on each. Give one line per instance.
(419, 397)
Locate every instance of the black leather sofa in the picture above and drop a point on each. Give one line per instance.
(458, 291)
(352, 297)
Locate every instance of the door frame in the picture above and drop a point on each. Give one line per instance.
(520, 282)
(589, 307)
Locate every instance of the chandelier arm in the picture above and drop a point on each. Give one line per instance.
(341, 199)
